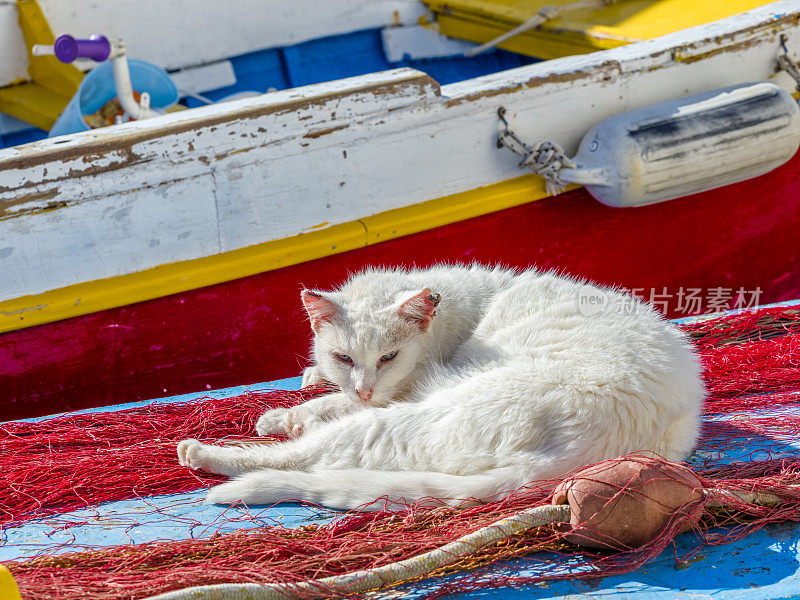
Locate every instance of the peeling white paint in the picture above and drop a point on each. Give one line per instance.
(111, 235)
(54, 171)
(259, 169)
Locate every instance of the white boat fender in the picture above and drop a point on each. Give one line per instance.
(678, 147)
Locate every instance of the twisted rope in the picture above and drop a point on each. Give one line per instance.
(787, 64)
(543, 157)
(362, 581)
(358, 582)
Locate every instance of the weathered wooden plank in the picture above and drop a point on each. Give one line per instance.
(114, 232)
(244, 163)
(294, 161)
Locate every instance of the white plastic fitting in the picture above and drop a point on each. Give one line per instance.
(122, 81)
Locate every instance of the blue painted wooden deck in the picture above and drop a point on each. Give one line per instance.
(764, 565)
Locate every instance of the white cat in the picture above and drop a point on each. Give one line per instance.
(466, 382)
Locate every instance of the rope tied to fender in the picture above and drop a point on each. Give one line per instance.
(788, 65)
(543, 157)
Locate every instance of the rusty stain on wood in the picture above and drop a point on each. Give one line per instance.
(679, 56)
(321, 132)
(607, 71)
(231, 153)
(20, 201)
(35, 210)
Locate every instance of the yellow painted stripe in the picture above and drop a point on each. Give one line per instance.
(443, 211)
(8, 587)
(101, 294)
(113, 292)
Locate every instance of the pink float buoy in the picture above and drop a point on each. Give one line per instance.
(627, 502)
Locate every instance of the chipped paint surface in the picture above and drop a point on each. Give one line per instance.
(223, 177)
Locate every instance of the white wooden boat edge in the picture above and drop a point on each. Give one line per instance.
(134, 200)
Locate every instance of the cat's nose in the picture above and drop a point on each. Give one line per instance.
(365, 395)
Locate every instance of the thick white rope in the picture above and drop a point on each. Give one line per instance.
(722, 497)
(372, 579)
(546, 13)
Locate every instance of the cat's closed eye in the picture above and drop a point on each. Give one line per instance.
(387, 357)
(344, 358)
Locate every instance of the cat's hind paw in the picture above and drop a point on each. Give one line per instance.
(211, 459)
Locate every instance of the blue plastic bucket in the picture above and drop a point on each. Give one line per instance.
(97, 88)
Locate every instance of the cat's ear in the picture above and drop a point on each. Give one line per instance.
(420, 308)
(319, 308)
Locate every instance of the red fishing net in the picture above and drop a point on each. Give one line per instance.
(752, 419)
(81, 460)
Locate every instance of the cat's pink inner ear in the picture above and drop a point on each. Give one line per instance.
(420, 308)
(320, 310)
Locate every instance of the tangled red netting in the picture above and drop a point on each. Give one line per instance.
(747, 465)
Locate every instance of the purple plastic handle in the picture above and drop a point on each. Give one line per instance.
(67, 48)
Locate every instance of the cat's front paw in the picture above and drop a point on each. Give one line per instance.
(312, 376)
(272, 422)
(300, 420)
(192, 454)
